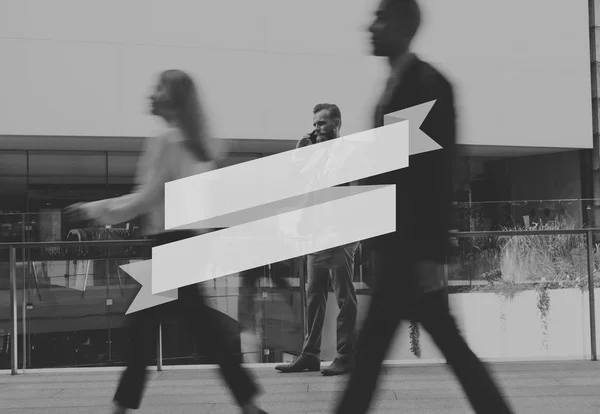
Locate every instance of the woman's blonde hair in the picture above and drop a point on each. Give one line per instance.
(189, 113)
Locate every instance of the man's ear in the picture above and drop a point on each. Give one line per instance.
(338, 123)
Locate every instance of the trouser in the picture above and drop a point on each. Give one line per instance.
(201, 322)
(339, 264)
(395, 299)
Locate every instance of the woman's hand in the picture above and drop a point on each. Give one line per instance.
(77, 212)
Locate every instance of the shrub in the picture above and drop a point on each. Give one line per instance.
(558, 260)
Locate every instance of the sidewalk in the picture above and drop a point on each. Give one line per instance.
(540, 387)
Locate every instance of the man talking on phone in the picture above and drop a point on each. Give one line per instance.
(335, 266)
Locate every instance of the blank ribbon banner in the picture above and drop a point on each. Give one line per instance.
(280, 207)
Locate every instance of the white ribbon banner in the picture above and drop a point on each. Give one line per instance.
(280, 207)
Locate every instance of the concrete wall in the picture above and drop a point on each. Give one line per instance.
(82, 67)
(496, 328)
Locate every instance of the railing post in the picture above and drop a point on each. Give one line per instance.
(107, 278)
(24, 322)
(24, 304)
(263, 324)
(590, 259)
(159, 354)
(14, 360)
(302, 286)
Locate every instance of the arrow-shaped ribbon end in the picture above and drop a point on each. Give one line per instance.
(418, 141)
(142, 273)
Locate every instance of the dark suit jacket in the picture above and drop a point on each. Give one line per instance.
(424, 189)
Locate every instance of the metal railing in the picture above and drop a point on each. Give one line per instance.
(13, 247)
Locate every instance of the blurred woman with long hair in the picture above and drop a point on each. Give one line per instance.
(183, 149)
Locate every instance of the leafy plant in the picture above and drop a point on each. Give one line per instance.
(543, 305)
(558, 259)
(537, 257)
(415, 334)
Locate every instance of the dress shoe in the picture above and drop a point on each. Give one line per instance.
(301, 363)
(339, 366)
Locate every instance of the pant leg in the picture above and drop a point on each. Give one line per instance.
(482, 392)
(143, 330)
(346, 300)
(316, 303)
(386, 310)
(213, 335)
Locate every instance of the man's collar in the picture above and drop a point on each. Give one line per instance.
(401, 63)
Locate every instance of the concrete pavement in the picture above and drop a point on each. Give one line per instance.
(532, 387)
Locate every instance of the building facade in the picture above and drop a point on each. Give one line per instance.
(74, 116)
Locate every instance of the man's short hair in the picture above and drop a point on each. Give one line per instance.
(332, 109)
(410, 12)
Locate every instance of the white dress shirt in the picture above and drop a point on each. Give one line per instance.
(166, 158)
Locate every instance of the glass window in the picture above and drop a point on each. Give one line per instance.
(121, 174)
(67, 167)
(13, 197)
(13, 181)
(58, 179)
(122, 167)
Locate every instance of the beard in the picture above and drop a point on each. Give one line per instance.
(326, 136)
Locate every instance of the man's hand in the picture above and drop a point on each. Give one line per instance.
(304, 141)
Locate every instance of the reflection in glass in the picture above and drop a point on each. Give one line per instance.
(503, 215)
(75, 310)
(13, 182)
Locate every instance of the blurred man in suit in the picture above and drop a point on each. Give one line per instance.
(335, 266)
(409, 262)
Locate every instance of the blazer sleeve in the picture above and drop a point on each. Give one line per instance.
(145, 196)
